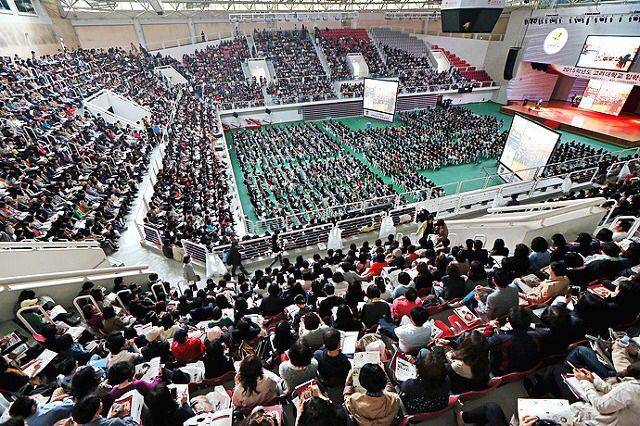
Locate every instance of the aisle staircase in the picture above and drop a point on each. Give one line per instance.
(321, 56)
(464, 68)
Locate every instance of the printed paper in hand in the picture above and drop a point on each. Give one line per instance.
(57, 310)
(600, 290)
(466, 315)
(405, 370)
(149, 370)
(525, 288)
(130, 404)
(182, 392)
(75, 332)
(349, 342)
(556, 410)
(36, 365)
(575, 386)
(291, 311)
(219, 418)
(219, 398)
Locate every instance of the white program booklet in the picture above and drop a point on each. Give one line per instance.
(556, 410)
(349, 342)
(405, 370)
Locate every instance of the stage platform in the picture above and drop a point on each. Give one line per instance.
(623, 130)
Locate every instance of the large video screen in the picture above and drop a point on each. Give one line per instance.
(529, 145)
(380, 98)
(605, 96)
(614, 53)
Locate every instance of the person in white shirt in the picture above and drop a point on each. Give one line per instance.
(414, 332)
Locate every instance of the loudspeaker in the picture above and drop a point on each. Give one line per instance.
(464, 16)
(235, 114)
(267, 110)
(510, 62)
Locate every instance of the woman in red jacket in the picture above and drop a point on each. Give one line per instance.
(186, 349)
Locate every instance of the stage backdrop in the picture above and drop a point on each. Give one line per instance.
(561, 43)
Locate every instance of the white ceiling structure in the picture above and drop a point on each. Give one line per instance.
(197, 8)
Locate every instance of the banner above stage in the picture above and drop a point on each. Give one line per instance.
(588, 73)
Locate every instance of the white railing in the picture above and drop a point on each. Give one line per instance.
(22, 282)
(40, 245)
(148, 234)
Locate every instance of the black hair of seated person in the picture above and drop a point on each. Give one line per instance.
(432, 370)
(320, 412)
(404, 278)
(519, 318)
(311, 321)
(26, 295)
(539, 245)
(558, 241)
(611, 249)
(373, 378)
(119, 373)
(49, 331)
(411, 294)
(329, 290)
(66, 366)
(573, 260)
(299, 300)
(556, 317)
(180, 335)
(216, 313)
(23, 406)
(300, 354)
(167, 321)
(13, 421)
(373, 292)
(86, 409)
(222, 302)
(419, 316)
(87, 285)
(521, 251)
(85, 381)
(115, 342)
(162, 406)
(605, 235)
(558, 268)
(632, 252)
(498, 244)
(331, 339)
(273, 290)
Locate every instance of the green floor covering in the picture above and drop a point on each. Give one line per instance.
(473, 175)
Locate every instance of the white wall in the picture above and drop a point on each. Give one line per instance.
(471, 50)
(173, 76)
(127, 108)
(28, 262)
(478, 95)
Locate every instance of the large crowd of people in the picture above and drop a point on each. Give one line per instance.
(332, 330)
(427, 140)
(416, 74)
(336, 44)
(300, 76)
(191, 198)
(290, 170)
(66, 174)
(219, 68)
